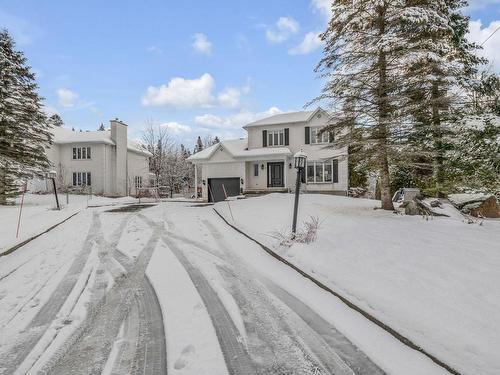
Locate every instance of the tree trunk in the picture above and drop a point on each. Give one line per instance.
(3, 187)
(383, 117)
(437, 135)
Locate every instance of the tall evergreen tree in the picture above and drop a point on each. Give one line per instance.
(56, 120)
(440, 60)
(199, 145)
(24, 128)
(362, 46)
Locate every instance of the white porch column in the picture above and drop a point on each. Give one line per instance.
(196, 181)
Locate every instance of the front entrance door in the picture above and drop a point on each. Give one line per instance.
(275, 174)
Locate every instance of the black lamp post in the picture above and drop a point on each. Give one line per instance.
(52, 175)
(300, 163)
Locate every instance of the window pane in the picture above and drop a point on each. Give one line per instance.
(84, 178)
(324, 137)
(79, 152)
(79, 178)
(84, 153)
(74, 178)
(328, 172)
(89, 179)
(314, 135)
(275, 139)
(310, 172)
(282, 136)
(74, 152)
(88, 153)
(256, 170)
(319, 172)
(270, 139)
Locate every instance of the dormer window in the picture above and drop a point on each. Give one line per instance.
(276, 137)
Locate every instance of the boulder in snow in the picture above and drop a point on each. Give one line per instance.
(488, 208)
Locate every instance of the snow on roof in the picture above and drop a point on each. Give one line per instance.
(67, 136)
(238, 148)
(284, 118)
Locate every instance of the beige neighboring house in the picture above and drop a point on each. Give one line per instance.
(263, 162)
(104, 162)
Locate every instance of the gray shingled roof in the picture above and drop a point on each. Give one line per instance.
(282, 118)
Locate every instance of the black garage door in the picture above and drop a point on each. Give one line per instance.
(216, 191)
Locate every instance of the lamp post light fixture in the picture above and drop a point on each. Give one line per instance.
(52, 175)
(300, 164)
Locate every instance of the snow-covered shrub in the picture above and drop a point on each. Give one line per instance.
(306, 234)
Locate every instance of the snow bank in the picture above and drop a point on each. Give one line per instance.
(39, 214)
(434, 281)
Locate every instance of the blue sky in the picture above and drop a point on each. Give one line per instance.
(198, 67)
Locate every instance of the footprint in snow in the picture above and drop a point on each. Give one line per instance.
(186, 354)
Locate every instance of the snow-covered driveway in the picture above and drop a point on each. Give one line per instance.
(171, 289)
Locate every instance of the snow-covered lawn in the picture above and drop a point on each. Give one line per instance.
(435, 281)
(39, 213)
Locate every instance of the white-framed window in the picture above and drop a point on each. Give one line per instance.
(256, 170)
(276, 137)
(138, 182)
(82, 179)
(319, 138)
(321, 171)
(82, 153)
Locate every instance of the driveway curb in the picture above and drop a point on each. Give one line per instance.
(367, 315)
(21, 244)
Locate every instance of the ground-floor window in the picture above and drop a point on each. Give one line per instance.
(82, 179)
(138, 182)
(322, 171)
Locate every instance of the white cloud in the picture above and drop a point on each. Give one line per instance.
(201, 44)
(190, 93)
(176, 128)
(49, 111)
(282, 30)
(310, 43)
(181, 92)
(229, 97)
(155, 49)
(323, 6)
(235, 121)
(491, 49)
(67, 98)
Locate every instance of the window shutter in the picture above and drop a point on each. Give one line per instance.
(308, 135)
(287, 136)
(331, 136)
(264, 138)
(335, 172)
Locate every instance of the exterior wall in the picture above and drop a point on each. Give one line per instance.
(94, 165)
(260, 182)
(314, 152)
(138, 165)
(104, 166)
(220, 170)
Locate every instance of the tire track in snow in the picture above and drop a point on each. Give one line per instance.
(92, 343)
(235, 354)
(332, 349)
(44, 317)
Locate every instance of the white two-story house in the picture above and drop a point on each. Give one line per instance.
(263, 162)
(103, 162)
